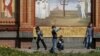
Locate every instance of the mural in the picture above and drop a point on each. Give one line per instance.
(8, 8)
(62, 12)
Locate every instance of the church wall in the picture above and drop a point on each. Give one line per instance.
(97, 27)
(98, 12)
(27, 15)
(27, 22)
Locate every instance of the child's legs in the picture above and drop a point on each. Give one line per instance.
(37, 42)
(88, 42)
(91, 41)
(54, 44)
(43, 43)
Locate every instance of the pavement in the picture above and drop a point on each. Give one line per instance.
(63, 51)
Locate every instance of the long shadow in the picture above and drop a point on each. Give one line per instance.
(17, 17)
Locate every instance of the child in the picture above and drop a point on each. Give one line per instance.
(40, 38)
(60, 44)
(54, 38)
(89, 37)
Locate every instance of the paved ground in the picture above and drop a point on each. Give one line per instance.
(63, 51)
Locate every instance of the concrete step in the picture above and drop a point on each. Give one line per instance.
(71, 42)
(9, 34)
(63, 51)
(12, 34)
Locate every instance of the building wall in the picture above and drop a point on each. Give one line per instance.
(27, 22)
(98, 15)
(7, 42)
(27, 15)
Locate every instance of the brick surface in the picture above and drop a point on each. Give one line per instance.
(7, 43)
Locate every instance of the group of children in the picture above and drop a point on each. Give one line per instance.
(59, 43)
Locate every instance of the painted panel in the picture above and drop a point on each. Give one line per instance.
(8, 9)
(62, 12)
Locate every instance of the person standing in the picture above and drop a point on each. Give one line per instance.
(40, 38)
(89, 36)
(54, 38)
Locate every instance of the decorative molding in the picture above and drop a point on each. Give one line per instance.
(10, 21)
